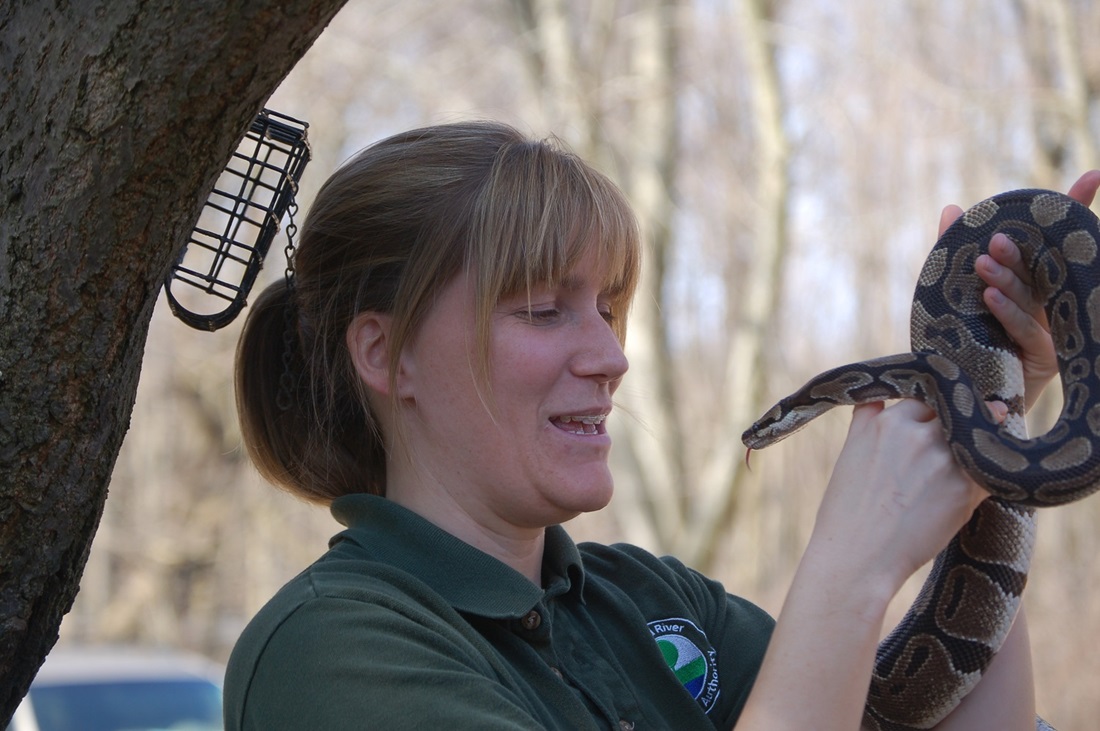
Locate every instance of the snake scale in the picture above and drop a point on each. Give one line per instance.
(962, 358)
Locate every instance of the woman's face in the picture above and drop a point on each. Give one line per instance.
(529, 446)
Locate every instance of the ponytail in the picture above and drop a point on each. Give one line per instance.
(313, 452)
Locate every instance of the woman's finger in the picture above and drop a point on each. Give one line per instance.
(1084, 190)
(948, 216)
(914, 410)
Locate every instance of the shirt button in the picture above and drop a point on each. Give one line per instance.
(531, 620)
(626, 725)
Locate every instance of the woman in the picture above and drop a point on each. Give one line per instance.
(439, 372)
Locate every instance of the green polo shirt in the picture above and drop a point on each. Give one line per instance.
(403, 626)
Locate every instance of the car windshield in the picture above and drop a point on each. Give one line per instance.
(180, 705)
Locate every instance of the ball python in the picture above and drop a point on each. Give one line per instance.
(961, 358)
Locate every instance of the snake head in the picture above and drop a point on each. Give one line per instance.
(766, 430)
(783, 420)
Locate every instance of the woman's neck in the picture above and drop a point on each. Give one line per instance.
(519, 548)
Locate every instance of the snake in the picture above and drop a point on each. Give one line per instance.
(961, 359)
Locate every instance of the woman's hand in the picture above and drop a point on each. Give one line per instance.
(896, 495)
(1009, 297)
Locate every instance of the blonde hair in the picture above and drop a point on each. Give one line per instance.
(386, 233)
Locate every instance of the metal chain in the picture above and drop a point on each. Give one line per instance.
(287, 384)
(291, 232)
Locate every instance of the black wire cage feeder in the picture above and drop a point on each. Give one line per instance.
(209, 284)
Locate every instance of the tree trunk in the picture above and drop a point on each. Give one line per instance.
(117, 118)
(725, 476)
(654, 438)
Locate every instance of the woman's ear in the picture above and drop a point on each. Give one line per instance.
(368, 340)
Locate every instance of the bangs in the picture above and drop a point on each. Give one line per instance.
(541, 211)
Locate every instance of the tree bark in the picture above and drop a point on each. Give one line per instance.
(117, 118)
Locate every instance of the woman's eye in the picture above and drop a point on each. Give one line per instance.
(608, 315)
(541, 315)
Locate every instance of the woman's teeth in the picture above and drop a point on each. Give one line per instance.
(581, 425)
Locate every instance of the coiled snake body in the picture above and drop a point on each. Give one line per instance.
(962, 358)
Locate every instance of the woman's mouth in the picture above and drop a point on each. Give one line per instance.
(580, 425)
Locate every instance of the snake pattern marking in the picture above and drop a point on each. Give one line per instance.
(962, 358)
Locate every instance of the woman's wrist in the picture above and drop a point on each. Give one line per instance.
(844, 580)
(822, 649)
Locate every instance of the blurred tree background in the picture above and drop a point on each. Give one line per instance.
(788, 160)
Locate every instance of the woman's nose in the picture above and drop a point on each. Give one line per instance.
(600, 354)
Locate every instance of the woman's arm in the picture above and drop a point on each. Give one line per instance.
(894, 500)
(1004, 699)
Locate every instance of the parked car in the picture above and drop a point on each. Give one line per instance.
(122, 689)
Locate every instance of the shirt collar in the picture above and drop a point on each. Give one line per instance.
(470, 580)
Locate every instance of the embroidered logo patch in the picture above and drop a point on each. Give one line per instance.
(690, 656)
